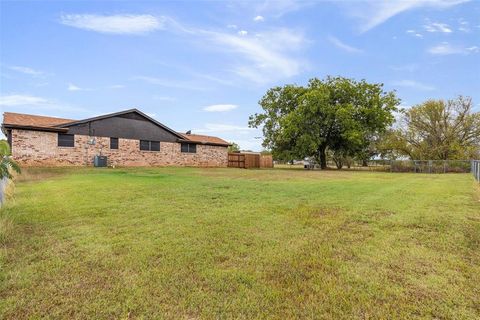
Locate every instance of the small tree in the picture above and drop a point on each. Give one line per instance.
(6, 162)
(439, 130)
(233, 147)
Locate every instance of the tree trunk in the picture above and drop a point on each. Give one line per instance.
(364, 163)
(323, 158)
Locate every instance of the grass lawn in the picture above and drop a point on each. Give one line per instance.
(185, 243)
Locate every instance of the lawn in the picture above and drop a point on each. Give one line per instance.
(185, 243)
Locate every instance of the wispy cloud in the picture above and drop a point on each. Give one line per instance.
(437, 27)
(21, 100)
(259, 19)
(27, 70)
(415, 33)
(341, 45)
(464, 26)
(35, 102)
(266, 56)
(220, 107)
(373, 13)
(278, 8)
(413, 84)
(115, 24)
(260, 58)
(169, 83)
(72, 87)
(446, 48)
(163, 98)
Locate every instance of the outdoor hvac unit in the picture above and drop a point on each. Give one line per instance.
(100, 161)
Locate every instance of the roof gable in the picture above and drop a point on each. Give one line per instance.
(116, 114)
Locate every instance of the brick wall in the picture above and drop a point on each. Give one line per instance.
(36, 148)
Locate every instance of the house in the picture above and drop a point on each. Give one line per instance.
(126, 138)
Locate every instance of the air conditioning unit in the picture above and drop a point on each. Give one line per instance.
(100, 161)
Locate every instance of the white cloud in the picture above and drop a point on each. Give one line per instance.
(267, 55)
(339, 44)
(464, 25)
(72, 87)
(220, 107)
(413, 84)
(261, 58)
(242, 33)
(116, 24)
(415, 33)
(447, 49)
(169, 83)
(27, 70)
(20, 100)
(34, 102)
(259, 19)
(373, 13)
(163, 98)
(437, 27)
(232, 26)
(278, 8)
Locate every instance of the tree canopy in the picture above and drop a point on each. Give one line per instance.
(233, 147)
(437, 130)
(337, 114)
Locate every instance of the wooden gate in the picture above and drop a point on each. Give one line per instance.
(249, 160)
(236, 160)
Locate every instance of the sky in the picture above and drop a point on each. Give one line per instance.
(204, 65)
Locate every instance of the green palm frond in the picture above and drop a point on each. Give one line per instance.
(4, 148)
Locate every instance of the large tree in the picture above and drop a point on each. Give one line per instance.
(438, 130)
(335, 113)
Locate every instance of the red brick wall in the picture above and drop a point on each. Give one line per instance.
(36, 148)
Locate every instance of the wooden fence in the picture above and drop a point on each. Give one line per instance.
(249, 160)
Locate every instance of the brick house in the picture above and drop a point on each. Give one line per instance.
(127, 138)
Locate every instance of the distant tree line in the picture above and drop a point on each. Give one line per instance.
(344, 120)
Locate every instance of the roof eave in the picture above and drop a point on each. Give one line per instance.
(205, 142)
(33, 128)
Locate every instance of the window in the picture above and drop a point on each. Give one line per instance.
(154, 146)
(113, 143)
(148, 145)
(189, 147)
(66, 140)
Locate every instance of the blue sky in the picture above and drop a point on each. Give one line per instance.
(203, 65)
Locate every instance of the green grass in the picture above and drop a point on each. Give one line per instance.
(184, 243)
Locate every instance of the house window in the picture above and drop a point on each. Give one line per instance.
(189, 147)
(148, 145)
(66, 140)
(113, 143)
